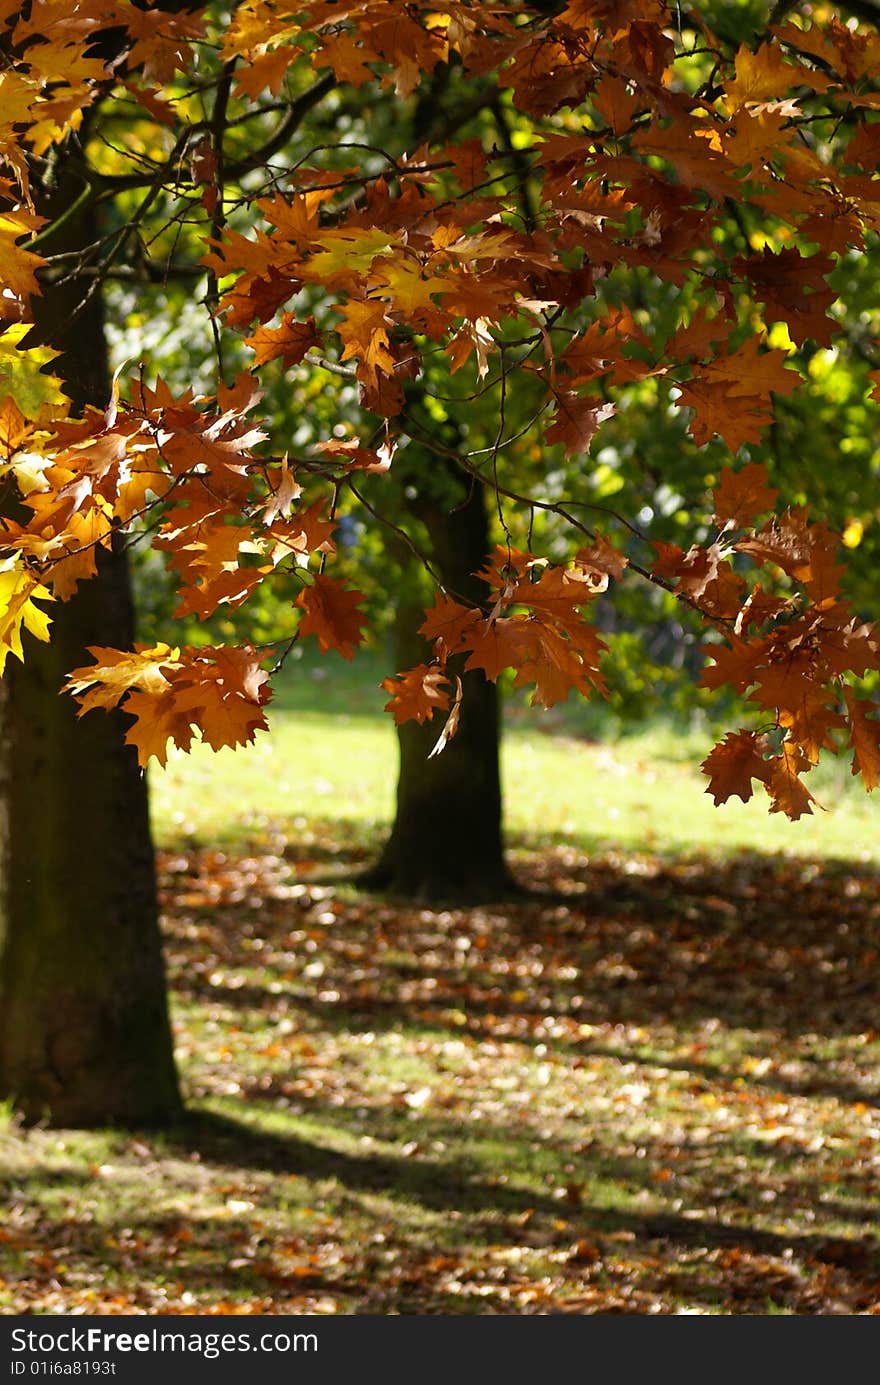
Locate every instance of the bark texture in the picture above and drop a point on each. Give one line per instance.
(85, 1038)
(446, 841)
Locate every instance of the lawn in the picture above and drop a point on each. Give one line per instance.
(649, 1087)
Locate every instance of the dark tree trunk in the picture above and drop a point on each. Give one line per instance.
(84, 1033)
(446, 842)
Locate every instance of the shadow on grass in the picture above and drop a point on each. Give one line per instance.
(756, 943)
(385, 1015)
(437, 1185)
(493, 1214)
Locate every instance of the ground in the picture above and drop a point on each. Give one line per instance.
(649, 1087)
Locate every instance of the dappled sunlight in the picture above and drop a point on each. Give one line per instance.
(647, 1086)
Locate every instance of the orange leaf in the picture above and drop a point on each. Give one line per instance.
(157, 720)
(599, 561)
(556, 594)
(735, 662)
(331, 612)
(265, 70)
(291, 340)
(417, 693)
(741, 495)
(733, 764)
(498, 644)
(576, 421)
(789, 795)
(615, 104)
(449, 621)
(864, 739)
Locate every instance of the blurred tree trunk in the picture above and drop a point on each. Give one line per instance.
(85, 1038)
(446, 842)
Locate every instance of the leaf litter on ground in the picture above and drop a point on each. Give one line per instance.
(648, 1086)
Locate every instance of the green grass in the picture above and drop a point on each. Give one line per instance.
(331, 755)
(651, 1088)
(660, 1098)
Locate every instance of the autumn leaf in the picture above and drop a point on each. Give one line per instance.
(284, 493)
(498, 644)
(766, 75)
(577, 420)
(449, 621)
(224, 718)
(788, 793)
(157, 720)
(558, 661)
(265, 70)
(451, 724)
(716, 412)
(417, 694)
(19, 591)
(14, 428)
(812, 722)
(37, 395)
(735, 662)
(599, 561)
(864, 739)
(332, 612)
(742, 495)
(793, 289)
(116, 672)
(786, 681)
(309, 530)
(364, 332)
(615, 103)
(734, 763)
(18, 265)
(557, 593)
(786, 541)
(730, 395)
(290, 340)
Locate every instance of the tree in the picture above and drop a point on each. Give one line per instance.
(446, 838)
(84, 1031)
(488, 273)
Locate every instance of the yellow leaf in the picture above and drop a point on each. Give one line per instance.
(38, 396)
(117, 672)
(18, 592)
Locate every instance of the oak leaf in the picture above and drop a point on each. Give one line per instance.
(290, 340)
(793, 289)
(864, 739)
(116, 672)
(332, 613)
(787, 791)
(742, 495)
(734, 763)
(417, 693)
(224, 718)
(157, 720)
(19, 591)
(451, 724)
(599, 561)
(577, 420)
(499, 644)
(448, 620)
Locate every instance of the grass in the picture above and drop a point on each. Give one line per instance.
(650, 1089)
(332, 754)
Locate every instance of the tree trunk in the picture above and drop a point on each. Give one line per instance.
(446, 842)
(84, 1033)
